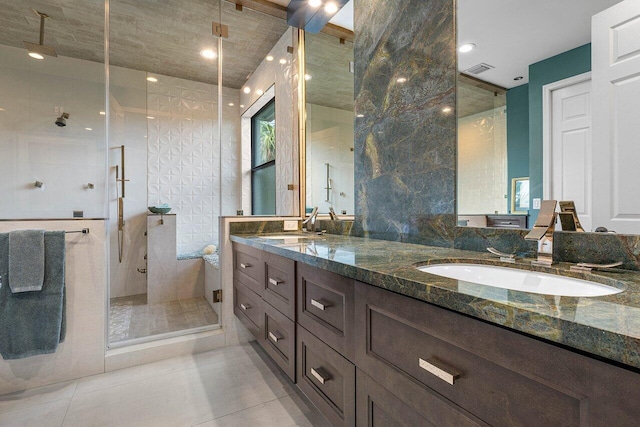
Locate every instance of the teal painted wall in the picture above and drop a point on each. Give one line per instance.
(517, 134)
(559, 67)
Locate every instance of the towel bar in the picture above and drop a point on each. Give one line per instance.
(83, 231)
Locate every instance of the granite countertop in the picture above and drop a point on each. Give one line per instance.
(607, 326)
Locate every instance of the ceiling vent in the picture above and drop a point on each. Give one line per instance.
(478, 69)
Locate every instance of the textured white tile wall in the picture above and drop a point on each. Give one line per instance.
(482, 163)
(184, 156)
(280, 72)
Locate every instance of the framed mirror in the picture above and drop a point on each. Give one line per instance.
(523, 107)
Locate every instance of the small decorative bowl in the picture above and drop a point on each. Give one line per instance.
(159, 210)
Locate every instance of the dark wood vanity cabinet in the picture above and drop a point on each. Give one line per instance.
(457, 366)
(370, 357)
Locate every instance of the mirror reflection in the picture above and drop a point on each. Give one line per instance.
(524, 108)
(329, 124)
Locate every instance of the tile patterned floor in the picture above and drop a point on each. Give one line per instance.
(131, 317)
(234, 386)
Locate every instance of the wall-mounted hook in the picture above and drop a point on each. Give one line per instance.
(38, 184)
(89, 186)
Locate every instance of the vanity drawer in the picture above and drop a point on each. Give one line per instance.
(376, 406)
(248, 307)
(325, 307)
(280, 340)
(418, 343)
(326, 378)
(280, 284)
(248, 267)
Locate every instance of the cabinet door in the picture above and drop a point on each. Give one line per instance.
(279, 340)
(280, 284)
(326, 378)
(499, 376)
(325, 307)
(378, 407)
(248, 267)
(247, 306)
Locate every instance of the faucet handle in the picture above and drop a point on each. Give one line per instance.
(587, 267)
(504, 257)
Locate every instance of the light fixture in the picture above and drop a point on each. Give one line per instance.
(307, 77)
(247, 89)
(241, 105)
(467, 47)
(446, 110)
(518, 78)
(231, 104)
(152, 79)
(401, 80)
(269, 58)
(37, 51)
(150, 117)
(2, 109)
(331, 7)
(88, 129)
(259, 91)
(283, 61)
(360, 116)
(102, 113)
(315, 3)
(208, 54)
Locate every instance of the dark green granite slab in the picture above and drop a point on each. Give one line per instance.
(607, 326)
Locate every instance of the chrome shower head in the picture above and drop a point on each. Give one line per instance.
(62, 120)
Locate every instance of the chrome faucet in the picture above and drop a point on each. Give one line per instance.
(333, 215)
(542, 231)
(310, 223)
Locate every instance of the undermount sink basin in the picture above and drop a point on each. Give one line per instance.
(520, 280)
(288, 237)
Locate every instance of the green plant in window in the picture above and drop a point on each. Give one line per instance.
(268, 141)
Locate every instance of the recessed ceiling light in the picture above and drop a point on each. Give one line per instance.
(467, 47)
(446, 110)
(315, 3)
(208, 53)
(152, 79)
(331, 7)
(241, 105)
(247, 89)
(231, 104)
(150, 117)
(259, 91)
(269, 58)
(102, 113)
(88, 129)
(307, 77)
(401, 79)
(2, 109)
(518, 78)
(35, 55)
(283, 61)
(360, 115)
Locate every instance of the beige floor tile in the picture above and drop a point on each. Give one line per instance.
(50, 414)
(37, 396)
(289, 411)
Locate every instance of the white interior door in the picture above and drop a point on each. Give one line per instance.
(570, 145)
(616, 117)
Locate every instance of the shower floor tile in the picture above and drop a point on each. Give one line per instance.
(131, 317)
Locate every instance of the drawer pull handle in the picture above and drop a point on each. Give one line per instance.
(320, 375)
(439, 369)
(275, 337)
(274, 282)
(319, 305)
(243, 265)
(245, 307)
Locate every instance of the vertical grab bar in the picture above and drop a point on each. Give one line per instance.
(328, 187)
(121, 203)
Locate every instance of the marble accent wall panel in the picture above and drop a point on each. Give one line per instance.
(405, 142)
(184, 156)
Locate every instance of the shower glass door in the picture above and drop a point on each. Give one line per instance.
(163, 153)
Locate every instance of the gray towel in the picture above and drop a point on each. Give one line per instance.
(33, 323)
(26, 260)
